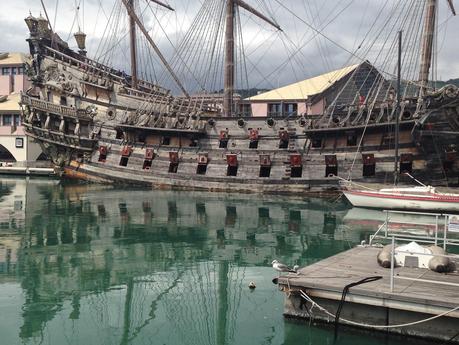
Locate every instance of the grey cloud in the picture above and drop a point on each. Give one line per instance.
(319, 56)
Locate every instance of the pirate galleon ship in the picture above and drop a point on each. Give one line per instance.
(100, 124)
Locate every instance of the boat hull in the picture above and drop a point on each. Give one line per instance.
(402, 202)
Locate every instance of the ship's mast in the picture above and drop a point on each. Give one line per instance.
(397, 110)
(132, 36)
(229, 50)
(427, 44)
(137, 22)
(229, 60)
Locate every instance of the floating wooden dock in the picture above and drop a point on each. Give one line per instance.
(373, 303)
(26, 171)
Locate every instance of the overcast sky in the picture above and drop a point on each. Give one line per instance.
(273, 58)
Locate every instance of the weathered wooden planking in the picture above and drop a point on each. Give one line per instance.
(334, 273)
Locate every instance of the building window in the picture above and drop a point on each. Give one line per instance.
(7, 120)
(290, 108)
(5, 71)
(246, 110)
(19, 143)
(13, 70)
(20, 70)
(274, 109)
(166, 141)
(17, 120)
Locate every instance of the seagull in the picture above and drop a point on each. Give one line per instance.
(281, 267)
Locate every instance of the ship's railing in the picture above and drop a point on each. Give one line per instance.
(53, 108)
(87, 64)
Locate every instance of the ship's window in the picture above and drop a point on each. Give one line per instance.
(124, 161)
(223, 143)
(448, 165)
(102, 156)
(201, 169)
(141, 137)
(119, 134)
(406, 167)
(316, 143)
(283, 144)
(146, 164)
(265, 171)
(173, 167)
(351, 139)
(253, 144)
(63, 100)
(231, 171)
(406, 163)
(166, 141)
(449, 160)
(369, 170)
(369, 165)
(331, 166)
(296, 171)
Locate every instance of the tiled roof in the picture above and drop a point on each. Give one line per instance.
(12, 59)
(306, 88)
(11, 104)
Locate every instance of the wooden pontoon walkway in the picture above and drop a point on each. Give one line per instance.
(373, 303)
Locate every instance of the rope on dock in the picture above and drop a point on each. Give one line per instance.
(354, 323)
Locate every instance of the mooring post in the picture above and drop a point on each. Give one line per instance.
(392, 264)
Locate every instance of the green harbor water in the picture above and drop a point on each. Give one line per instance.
(87, 264)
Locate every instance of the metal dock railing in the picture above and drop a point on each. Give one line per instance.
(444, 226)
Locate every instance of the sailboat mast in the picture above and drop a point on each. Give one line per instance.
(132, 36)
(397, 110)
(427, 44)
(229, 60)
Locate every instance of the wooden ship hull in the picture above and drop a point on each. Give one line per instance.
(92, 123)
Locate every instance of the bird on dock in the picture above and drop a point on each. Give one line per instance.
(281, 268)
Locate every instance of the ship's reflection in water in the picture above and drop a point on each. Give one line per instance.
(85, 264)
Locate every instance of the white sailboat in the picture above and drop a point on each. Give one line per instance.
(418, 198)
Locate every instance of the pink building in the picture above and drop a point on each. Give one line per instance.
(15, 146)
(12, 73)
(312, 96)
